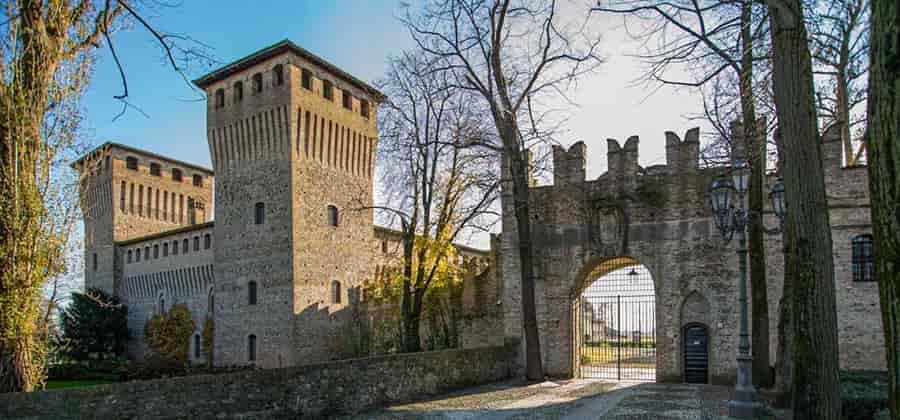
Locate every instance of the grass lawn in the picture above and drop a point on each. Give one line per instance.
(76, 383)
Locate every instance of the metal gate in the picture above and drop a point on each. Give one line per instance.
(696, 354)
(617, 322)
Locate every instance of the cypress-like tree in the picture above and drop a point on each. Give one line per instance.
(95, 323)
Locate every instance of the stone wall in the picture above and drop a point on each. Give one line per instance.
(311, 391)
(660, 217)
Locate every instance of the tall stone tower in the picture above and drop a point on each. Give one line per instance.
(292, 139)
(127, 193)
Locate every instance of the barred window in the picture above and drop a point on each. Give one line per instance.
(863, 258)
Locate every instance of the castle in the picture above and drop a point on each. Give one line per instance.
(276, 253)
(292, 140)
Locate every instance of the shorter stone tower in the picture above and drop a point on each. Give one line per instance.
(128, 193)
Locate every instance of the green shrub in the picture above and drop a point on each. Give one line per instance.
(863, 394)
(168, 335)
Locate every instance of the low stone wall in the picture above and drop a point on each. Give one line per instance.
(310, 391)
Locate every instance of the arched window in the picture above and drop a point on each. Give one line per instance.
(238, 91)
(207, 241)
(251, 293)
(333, 216)
(162, 304)
(147, 252)
(196, 346)
(220, 98)
(863, 258)
(211, 302)
(278, 72)
(138, 255)
(196, 243)
(129, 255)
(165, 249)
(155, 251)
(260, 213)
(184, 246)
(335, 291)
(175, 247)
(257, 83)
(251, 347)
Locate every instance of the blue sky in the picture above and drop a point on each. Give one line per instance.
(357, 36)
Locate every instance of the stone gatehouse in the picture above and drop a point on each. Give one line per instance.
(659, 217)
(275, 241)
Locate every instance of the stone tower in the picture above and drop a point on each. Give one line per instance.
(292, 139)
(128, 193)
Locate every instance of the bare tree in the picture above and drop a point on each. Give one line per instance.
(884, 178)
(716, 40)
(45, 61)
(839, 38)
(815, 385)
(438, 181)
(509, 53)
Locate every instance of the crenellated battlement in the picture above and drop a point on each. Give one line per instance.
(682, 156)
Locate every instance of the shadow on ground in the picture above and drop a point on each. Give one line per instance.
(575, 399)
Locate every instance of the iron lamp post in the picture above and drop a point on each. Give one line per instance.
(733, 221)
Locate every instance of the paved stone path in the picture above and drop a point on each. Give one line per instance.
(575, 399)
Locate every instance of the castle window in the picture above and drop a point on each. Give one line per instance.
(278, 72)
(306, 79)
(348, 102)
(129, 255)
(257, 83)
(176, 174)
(198, 180)
(131, 198)
(238, 91)
(220, 98)
(207, 241)
(146, 252)
(155, 251)
(131, 163)
(260, 213)
(251, 293)
(335, 291)
(137, 255)
(196, 346)
(333, 216)
(384, 247)
(328, 90)
(95, 261)
(196, 243)
(165, 249)
(122, 197)
(141, 201)
(155, 169)
(211, 302)
(175, 247)
(162, 304)
(863, 258)
(251, 347)
(364, 108)
(184, 246)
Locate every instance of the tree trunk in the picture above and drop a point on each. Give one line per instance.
(519, 170)
(409, 316)
(756, 154)
(785, 326)
(816, 390)
(884, 178)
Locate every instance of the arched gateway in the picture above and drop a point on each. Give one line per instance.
(655, 220)
(615, 322)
